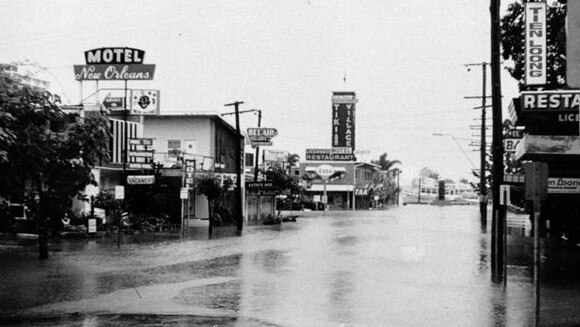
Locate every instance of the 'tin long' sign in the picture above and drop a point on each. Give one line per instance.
(535, 43)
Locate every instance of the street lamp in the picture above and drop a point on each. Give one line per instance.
(458, 145)
(257, 148)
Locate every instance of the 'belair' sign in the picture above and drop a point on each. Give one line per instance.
(114, 64)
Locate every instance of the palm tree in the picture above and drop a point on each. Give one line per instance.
(293, 160)
(384, 163)
(386, 176)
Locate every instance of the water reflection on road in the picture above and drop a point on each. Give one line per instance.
(406, 266)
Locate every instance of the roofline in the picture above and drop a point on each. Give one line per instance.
(203, 114)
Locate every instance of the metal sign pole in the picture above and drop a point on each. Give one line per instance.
(354, 188)
(182, 200)
(325, 199)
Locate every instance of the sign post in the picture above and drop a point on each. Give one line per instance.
(325, 171)
(536, 175)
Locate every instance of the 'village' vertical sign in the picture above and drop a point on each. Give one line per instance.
(535, 72)
(343, 118)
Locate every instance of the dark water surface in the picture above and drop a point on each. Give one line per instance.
(406, 266)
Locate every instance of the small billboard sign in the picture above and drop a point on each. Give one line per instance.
(550, 101)
(325, 171)
(144, 102)
(114, 103)
(119, 192)
(328, 155)
(261, 136)
(114, 63)
(141, 179)
(343, 119)
(261, 187)
(140, 153)
(276, 155)
(92, 225)
(510, 145)
(113, 72)
(189, 172)
(183, 193)
(535, 52)
(140, 165)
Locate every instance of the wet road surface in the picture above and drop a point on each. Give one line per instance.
(407, 266)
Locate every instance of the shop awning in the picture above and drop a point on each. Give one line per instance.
(331, 188)
(545, 147)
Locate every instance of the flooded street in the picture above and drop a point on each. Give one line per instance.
(406, 266)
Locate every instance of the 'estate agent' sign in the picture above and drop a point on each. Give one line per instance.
(114, 64)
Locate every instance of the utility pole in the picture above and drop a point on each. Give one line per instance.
(259, 125)
(125, 156)
(398, 186)
(419, 191)
(238, 155)
(482, 149)
(257, 148)
(498, 215)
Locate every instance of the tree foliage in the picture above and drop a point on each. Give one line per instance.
(215, 191)
(44, 151)
(513, 42)
(428, 172)
(283, 182)
(384, 162)
(293, 160)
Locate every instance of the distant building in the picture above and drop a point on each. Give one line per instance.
(26, 74)
(356, 182)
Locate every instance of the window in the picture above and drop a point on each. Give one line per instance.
(173, 144)
(173, 148)
(249, 160)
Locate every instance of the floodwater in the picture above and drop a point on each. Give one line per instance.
(414, 265)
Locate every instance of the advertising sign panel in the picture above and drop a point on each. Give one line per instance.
(189, 172)
(261, 187)
(92, 225)
(325, 171)
(261, 136)
(114, 64)
(573, 44)
(343, 119)
(183, 193)
(550, 101)
(276, 155)
(564, 185)
(114, 102)
(535, 53)
(114, 72)
(510, 145)
(328, 155)
(556, 185)
(114, 56)
(140, 153)
(144, 102)
(141, 179)
(119, 192)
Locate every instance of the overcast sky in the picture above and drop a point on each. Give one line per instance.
(404, 59)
